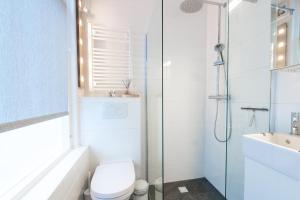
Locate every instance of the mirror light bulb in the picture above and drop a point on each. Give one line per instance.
(80, 22)
(280, 58)
(281, 44)
(81, 79)
(281, 31)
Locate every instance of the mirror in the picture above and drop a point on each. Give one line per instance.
(285, 24)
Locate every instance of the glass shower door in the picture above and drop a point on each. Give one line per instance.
(249, 83)
(154, 105)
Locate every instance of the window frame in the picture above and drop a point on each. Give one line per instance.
(27, 122)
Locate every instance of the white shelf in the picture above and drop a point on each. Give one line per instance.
(290, 68)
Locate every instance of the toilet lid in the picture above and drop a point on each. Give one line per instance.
(112, 180)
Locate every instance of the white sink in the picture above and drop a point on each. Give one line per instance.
(280, 152)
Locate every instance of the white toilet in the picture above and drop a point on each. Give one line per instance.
(113, 181)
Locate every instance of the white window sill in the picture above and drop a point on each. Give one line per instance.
(48, 184)
(18, 190)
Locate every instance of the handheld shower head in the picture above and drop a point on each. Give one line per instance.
(191, 6)
(219, 47)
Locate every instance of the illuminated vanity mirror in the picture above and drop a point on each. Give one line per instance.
(285, 33)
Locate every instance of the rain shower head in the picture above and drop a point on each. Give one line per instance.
(252, 1)
(191, 6)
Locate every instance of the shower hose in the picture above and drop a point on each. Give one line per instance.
(228, 133)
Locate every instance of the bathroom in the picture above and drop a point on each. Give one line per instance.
(150, 99)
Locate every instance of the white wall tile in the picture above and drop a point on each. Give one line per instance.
(113, 138)
(184, 92)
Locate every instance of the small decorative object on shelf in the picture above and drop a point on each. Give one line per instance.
(127, 84)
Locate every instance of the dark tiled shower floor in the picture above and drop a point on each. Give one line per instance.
(199, 189)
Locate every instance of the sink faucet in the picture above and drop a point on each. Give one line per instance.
(295, 125)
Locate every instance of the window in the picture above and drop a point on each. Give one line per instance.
(33, 91)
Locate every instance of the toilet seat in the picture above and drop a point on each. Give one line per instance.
(113, 180)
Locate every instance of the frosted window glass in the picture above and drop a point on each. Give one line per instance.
(33, 59)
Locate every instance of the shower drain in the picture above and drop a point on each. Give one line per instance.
(183, 189)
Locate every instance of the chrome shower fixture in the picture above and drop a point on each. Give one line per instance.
(219, 49)
(192, 6)
(219, 62)
(252, 1)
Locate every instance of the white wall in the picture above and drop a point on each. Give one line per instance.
(72, 71)
(285, 99)
(111, 127)
(184, 92)
(215, 152)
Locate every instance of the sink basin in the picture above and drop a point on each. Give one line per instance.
(290, 142)
(280, 152)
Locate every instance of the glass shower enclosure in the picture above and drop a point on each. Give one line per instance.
(249, 77)
(154, 105)
(208, 84)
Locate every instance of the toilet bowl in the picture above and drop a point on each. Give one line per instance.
(113, 181)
